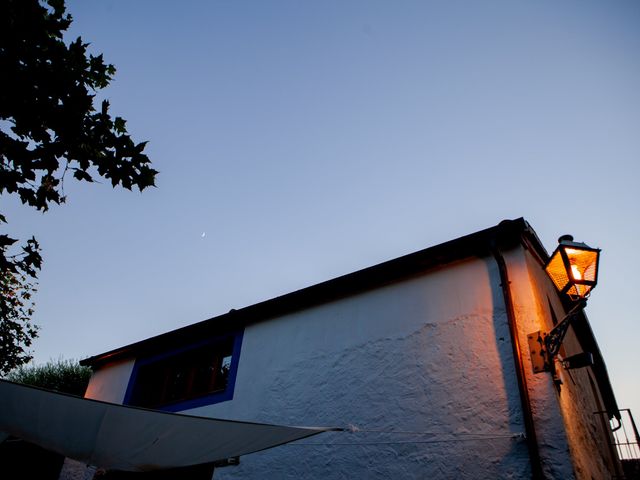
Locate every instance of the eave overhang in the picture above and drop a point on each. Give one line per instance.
(505, 235)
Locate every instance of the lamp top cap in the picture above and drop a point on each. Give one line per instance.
(565, 238)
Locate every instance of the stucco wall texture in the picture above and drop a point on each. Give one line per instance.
(588, 434)
(423, 372)
(429, 355)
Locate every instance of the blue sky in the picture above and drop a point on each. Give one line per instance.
(298, 141)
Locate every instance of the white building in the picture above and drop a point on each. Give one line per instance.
(425, 356)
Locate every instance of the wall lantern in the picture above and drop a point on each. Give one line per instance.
(573, 268)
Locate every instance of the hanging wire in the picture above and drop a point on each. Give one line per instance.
(413, 442)
(355, 429)
(457, 437)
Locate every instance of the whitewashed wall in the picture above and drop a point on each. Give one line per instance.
(109, 384)
(564, 417)
(431, 354)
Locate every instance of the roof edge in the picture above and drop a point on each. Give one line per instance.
(506, 234)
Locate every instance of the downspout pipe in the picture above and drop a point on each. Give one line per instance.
(530, 429)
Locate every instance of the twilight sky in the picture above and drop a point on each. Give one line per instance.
(299, 140)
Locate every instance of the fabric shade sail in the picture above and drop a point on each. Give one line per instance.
(117, 437)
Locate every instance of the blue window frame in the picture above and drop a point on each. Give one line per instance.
(198, 374)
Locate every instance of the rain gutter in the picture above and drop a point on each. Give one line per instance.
(530, 429)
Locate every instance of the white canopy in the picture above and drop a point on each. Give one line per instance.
(118, 437)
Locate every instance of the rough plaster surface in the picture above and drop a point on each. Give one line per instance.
(428, 355)
(530, 317)
(428, 358)
(578, 398)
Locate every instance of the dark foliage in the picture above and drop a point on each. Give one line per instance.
(16, 329)
(66, 376)
(50, 130)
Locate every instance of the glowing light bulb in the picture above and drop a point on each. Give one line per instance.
(576, 273)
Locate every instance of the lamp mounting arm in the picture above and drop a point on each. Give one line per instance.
(544, 346)
(553, 340)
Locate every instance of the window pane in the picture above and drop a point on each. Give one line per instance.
(177, 382)
(190, 374)
(223, 374)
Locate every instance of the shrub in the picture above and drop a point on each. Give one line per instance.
(66, 376)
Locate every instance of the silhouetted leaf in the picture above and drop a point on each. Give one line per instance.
(6, 241)
(50, 125)
(82, 175)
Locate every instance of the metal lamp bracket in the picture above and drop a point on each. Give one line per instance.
(544, 346)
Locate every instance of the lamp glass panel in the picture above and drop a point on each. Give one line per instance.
(556, 270)
(583, 264)
(578, 290)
